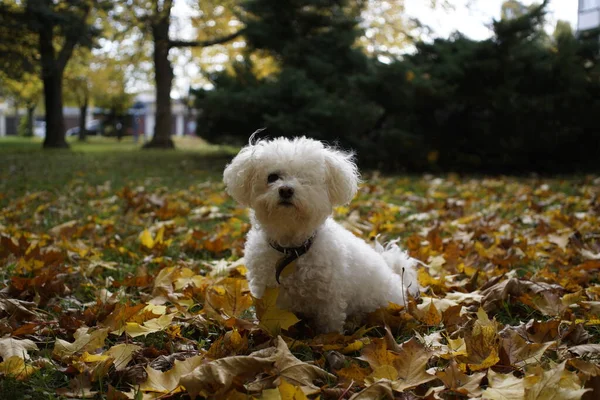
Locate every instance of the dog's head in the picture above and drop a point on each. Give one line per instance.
(292, 185)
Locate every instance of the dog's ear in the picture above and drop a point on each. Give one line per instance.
(239, 176)
(342, 176)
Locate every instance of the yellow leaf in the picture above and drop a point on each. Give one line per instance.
(91, 358)
(557, 384)
(456, 347)
(288, 391)
(84, 341)
(146, 239)
(272, 318)
(122, 353)
(168, 382)
(230, 297)
(15, 366)
(352, 347)
(482, 342)
(382, 372)
(159, 235)
(134, 329)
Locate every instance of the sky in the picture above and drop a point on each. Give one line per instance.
(473, 21)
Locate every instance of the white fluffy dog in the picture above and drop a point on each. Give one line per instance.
(291, 187)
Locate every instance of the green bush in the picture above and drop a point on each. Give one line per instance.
(519, 101)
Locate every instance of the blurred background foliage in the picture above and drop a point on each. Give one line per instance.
(522, 100)
(358, 73)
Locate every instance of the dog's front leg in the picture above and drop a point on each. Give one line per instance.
(330, 319)
(259, 281)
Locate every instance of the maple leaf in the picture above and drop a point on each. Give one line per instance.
(122, 354)
(15, 367)
(117, 319)
(482, 342)
(84, 341)
(168, 382)
(405, 368)
(217, 377)
(379, 390)
(10, 347)
(521, 353)
(229, 297)
(288, 391)
(411, 366)
(458, 382)
(271, 317)
(503, 387)
(352, 374)
(161, 323)
(554, 384)
(230, 344)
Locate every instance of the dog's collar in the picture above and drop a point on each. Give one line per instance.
(291, 254)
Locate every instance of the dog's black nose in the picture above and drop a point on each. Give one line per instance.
(286, 192)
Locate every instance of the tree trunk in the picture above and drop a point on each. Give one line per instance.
(82, 117)
(30, 116)
(163, 76)
(52, 78)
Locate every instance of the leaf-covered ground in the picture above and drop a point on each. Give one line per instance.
(121, 277)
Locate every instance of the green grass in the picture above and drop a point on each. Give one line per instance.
(25, 167)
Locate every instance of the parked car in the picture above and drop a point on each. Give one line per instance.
(94, 127)
(39, 128)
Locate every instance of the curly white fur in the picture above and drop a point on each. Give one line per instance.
(340, 275)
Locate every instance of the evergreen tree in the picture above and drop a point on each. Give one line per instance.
(313, 92)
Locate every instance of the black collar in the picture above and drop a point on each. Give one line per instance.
(291, 254)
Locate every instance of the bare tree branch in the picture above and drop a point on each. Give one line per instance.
(205, 43)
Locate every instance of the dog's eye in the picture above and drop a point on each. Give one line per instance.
(272, 178)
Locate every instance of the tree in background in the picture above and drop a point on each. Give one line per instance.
(312, 91)
(79, 83)
(154, 18)
(58, 28)
(111, 93)
(26, 90)
(511, 9)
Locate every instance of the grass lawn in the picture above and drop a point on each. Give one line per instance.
(119, 278)
(25, 166)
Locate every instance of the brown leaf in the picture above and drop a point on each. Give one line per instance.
(458, 382)
(586, 350)
(504, 387)
(482, 343)
(229, 297)
(120, 315)
(521, 353)
(217, 377)
(554, 384)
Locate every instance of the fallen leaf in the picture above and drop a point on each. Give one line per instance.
(10, 347)
(521, 353)
(84, 341)
(168, 382)
(270, 316)
(15, 367)
(482, 342)
(503, 387)
(217, 377)
(554, 384)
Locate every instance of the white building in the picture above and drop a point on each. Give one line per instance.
(589, 15)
